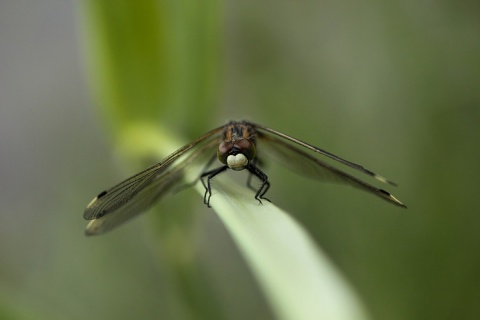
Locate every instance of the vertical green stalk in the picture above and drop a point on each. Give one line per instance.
(153, 67)
(153, 62)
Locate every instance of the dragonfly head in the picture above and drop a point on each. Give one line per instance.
(236, 154)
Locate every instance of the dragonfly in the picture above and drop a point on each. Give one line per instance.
(238, 146)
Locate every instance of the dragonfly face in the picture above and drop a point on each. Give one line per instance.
(239, 146)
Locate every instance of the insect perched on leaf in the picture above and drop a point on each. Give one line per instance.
(238, 145)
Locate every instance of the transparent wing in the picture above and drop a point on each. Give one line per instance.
(137, 204)
(137, 193)
(304, 163)
(353, 165)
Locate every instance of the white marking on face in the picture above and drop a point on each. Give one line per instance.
(237, 162)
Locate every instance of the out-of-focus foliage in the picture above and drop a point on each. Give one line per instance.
(393, 86)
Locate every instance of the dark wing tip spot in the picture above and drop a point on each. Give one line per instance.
(385, 192)
(101, 194)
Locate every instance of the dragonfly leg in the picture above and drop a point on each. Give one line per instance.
(208, 187)
(249, 179)
(265, 183)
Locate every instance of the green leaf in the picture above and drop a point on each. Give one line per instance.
(298, 279)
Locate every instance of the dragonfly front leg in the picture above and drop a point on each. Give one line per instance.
(265, 183)
(208, 187)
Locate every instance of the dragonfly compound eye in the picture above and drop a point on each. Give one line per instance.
(224, 150)
(246, 147)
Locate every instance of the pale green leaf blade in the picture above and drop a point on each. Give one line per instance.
(298, 279)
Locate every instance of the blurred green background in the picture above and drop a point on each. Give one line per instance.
(393, 86)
